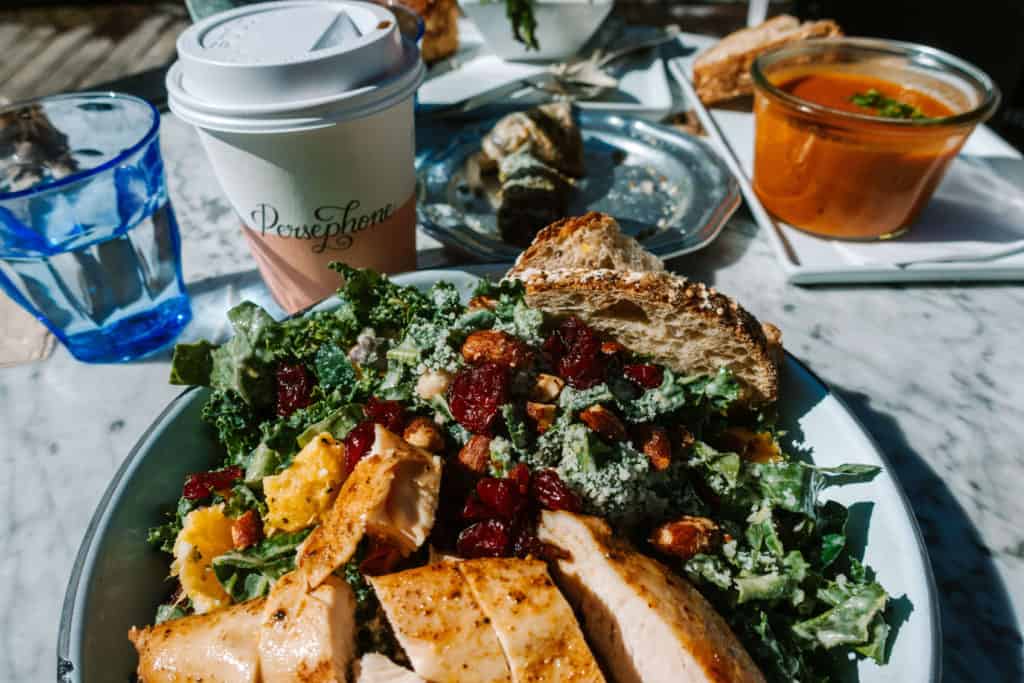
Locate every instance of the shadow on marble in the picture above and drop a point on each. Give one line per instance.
(981, 636)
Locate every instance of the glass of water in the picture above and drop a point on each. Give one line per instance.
(88, 241)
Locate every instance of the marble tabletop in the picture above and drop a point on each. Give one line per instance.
(935, 373)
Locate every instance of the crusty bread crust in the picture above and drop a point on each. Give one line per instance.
(686, 326)
(722, 72)
(592, 240)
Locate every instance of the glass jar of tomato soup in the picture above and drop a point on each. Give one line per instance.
(853, 135)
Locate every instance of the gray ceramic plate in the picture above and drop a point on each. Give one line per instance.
(666, 188)
(118, 579)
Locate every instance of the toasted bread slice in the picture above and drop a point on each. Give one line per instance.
(585, 267)
(589, 241)
(722, 72)
(685, 326)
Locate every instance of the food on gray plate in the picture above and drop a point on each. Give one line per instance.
(390, 496)
(647, 624)
(307, 629)
(548, 132)
(533, 153)
(536, 626)
(440, 626)
(221, 645)
(532, 195)
(406, 475)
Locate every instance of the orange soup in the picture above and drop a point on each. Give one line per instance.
(842, 176)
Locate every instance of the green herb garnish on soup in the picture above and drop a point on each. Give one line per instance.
(886, 106)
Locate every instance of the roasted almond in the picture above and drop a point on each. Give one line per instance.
(604, 422)
(610, 348)
(478, 302)
(542, 414)
(247, 530)
(493, 346)
(752, 446)
(655, 444)
(546, 388)
(433, 383)
(687, 537)
(423, 433)
(476, 454)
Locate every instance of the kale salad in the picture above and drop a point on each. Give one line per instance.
(528, 413)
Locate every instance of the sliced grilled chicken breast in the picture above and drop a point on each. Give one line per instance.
(390, 495)
(376, 668)
(534, 623)
(647, 624)
(307, 636)
(439, 624)
(217, 646)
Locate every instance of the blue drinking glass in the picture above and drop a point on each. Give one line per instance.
(88, 241)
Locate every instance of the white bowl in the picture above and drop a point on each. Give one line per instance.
(563, 27)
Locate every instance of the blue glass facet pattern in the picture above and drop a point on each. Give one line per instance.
(96, 255)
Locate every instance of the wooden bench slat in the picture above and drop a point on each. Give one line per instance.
(71, 75)
(28, 44)
(58, 54)
(123, 59)
(164, 49)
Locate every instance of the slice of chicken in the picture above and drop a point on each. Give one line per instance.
(217, 646)
(391, 495)
(307, 636)
(647, 624)
(376, 668)
(534, 623)
(440, 626)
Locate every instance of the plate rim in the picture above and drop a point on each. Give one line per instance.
(68, 638)
(731, 200)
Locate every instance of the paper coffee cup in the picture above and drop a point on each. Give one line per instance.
(305, 110)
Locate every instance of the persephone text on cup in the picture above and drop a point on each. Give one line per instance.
(332, 226)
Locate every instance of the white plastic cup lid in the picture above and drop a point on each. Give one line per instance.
(291, 60)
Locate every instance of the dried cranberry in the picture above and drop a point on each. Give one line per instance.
(381, 558)
(475, 509)
(554, 347)
(203, 484)
(575, 351)
(526, 543)
(548, 489)
(573, 329)
(358, 443)
(646, 375)
(294, 388)
(500, 495)
(388, 414)
(484, 539)
(520, 474)
(476, 394)
(583, 366)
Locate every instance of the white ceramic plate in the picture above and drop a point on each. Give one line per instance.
(117, 580)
